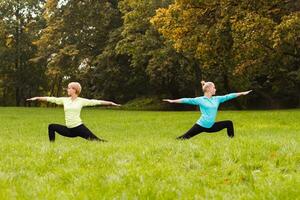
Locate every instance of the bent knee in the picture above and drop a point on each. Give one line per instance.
(229, 123)
(51, 127)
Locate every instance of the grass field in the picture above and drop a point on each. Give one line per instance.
(142, 160)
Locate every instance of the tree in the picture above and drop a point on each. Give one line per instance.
(76, 32)
(156, 64)
(227, 37)
(20, 22)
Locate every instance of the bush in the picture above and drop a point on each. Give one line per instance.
(147, 103)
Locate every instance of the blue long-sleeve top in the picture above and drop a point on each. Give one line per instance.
(208, 107)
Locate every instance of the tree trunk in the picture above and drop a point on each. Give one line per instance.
(18, 56)
(198, 77)
(229, 90)
(52, 91)
(18, 99)
(4, 96)
(58, 92)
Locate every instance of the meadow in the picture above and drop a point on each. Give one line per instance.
(142, 159)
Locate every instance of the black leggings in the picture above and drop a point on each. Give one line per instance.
(81, 131)
(196, 129)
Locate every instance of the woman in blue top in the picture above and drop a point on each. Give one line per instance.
(208, 105)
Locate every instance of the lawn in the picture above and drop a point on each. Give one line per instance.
(142, 159)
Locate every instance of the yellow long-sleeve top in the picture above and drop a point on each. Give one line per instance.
(73, 108)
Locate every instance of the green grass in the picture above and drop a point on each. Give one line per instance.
(142, 160)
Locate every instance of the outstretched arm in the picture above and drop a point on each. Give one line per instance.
(173, 101)
(56, 100)
(191, 101)
(94, 102)
(37, 99)
(109, 103)
(243, 93)
(232, 96)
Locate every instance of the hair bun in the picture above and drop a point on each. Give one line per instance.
(203, 83)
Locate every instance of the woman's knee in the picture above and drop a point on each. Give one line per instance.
(229, 123)
(51, 127)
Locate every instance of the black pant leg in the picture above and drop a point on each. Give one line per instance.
(60, 129)
(195, 130)
(84, 132)
(218, 126)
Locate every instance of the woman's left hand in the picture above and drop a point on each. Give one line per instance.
(247, 92)
(115, 104)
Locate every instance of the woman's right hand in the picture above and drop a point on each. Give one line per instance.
(168, 100)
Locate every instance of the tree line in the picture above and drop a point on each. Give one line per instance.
(128, 49)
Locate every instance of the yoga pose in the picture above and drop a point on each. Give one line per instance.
(208, 105)
(72, 107)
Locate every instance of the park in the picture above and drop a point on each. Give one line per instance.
(156, 99)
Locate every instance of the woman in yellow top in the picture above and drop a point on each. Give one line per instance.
(72, 107)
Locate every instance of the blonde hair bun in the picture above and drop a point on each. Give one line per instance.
(206, 85)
